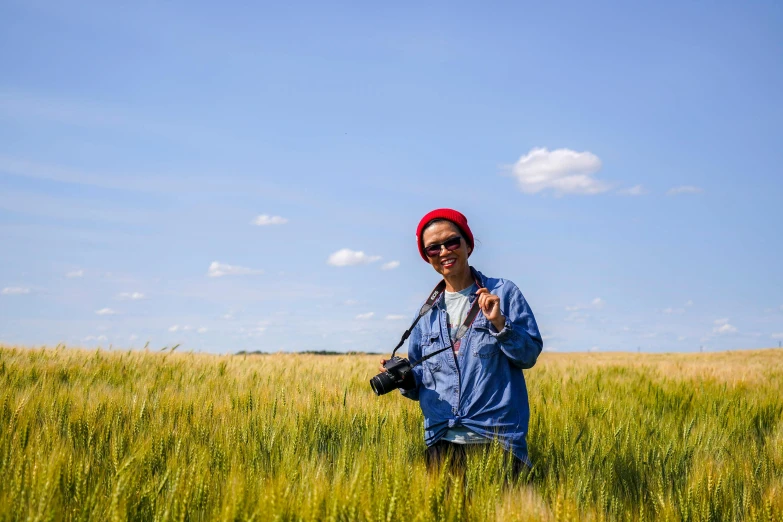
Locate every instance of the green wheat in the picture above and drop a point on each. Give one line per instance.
(96, 435)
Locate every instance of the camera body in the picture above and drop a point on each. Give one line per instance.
(398, 374)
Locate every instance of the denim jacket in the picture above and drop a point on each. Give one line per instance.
(482, 388)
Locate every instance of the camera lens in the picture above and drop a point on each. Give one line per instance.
(383, 383)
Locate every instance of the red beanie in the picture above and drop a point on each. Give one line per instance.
(449, 215)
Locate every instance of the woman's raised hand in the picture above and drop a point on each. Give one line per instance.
(490, 307)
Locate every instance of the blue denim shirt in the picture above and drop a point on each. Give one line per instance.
(482, 388)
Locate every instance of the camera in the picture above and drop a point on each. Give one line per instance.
(398, 374)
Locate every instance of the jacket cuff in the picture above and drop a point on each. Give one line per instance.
(504, 334)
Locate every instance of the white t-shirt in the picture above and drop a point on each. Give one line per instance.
(457, 307)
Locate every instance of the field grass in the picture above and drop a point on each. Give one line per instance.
(167, 436)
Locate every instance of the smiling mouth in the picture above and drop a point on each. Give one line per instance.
(447, 263)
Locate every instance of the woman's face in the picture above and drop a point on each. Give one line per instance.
(446, 263)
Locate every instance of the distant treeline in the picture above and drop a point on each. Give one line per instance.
(309, 352)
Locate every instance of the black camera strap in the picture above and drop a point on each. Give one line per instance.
(463, 329)
(427, 306)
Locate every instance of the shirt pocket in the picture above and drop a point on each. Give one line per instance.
(430, 342)
(483, 344)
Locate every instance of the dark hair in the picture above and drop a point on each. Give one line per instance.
(443, 220)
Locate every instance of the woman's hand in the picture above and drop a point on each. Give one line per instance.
(490, 307)
(381, 369)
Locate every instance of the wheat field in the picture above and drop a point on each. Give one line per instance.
(138, 435)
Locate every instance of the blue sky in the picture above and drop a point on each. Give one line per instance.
(184, 173)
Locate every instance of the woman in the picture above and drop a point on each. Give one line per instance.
(474, 391)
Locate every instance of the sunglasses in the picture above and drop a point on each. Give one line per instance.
(450, 244)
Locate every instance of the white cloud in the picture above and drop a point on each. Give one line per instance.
(252, 332)
(392, 317)
(673, 311)
(264, 220)
(636, 190)
(684, 189)
(178, 328)
(133, 296)
(595, 303)
(391, 265)
(722, 326)
(15, 290)
(368, 315)
(75, 273)
(562, 170)
(777, 335)
(577, 317)
(201, 330)
(681, 338)
(105, 311)
(217, 269)
(726, 328)
(133, 337)
(348, 257)
(350, 302)
(594, 349)
(95, 338)
(689, 303)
